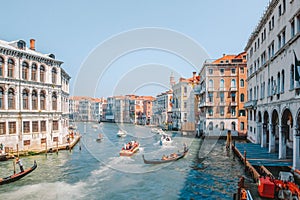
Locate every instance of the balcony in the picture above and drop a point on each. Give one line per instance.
(222, 89)
(233, 103)
(210, 89)
(233, 89)
(222, 104)
(250, 104)
(202, 90)
(204, 104)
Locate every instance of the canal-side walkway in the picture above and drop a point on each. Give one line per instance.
(258, 156)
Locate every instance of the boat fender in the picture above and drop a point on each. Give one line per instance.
(243, 194)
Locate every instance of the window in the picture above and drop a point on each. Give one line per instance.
(222, 111)
(232, 110)
(242, 98)
(10, 68)
(242, 70)
(2, 128)
(222, 71)
(35, 126)
(55, 125)
(292, 28)
(25, 69)
(233, 97)
(211, 84)
(283, 37)
(26, 127)
(210, 111)
(11, 98)
(279, 41)
(1, 66)
(279, 10)
(34, 100)
(242, 83)
(242, 113)
(222, 84)
(54, 72)
(233, 126)
(12, 127)
(185, 104)
(1, 98)
(292, 77)
(42, 100)
(278, 83)
(222, 126)
(33, 72)
(232, 70)
(282, 81)
(54, 101)
(222, 99)
(43, 126)
(298, 23)
(210, 71)
(25, 99)
(210, 97)
(185, 91)
(242, 126)
(210, 126)
(233, 83)
(42, 74)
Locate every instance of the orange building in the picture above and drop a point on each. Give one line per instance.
(223, 92)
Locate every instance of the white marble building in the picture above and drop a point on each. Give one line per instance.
(273, 80)
(34, 97)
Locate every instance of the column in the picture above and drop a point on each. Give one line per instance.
(282, 143)
(296, 152)
(271, 139)
(264, 136)
(258, 134)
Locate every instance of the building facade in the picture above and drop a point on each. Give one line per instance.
(34, 97)
(273, 53)
(222, 93)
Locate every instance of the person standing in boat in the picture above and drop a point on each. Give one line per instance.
(19, 162)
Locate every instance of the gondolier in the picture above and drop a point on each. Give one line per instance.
(19, 162)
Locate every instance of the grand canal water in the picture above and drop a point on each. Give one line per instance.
(94, 170)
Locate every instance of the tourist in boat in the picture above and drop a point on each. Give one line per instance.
(164, 157)
(19, 162)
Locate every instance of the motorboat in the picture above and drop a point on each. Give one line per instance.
(165, 140)
(121, 133)
(130, 148)
(157, 131)
(100, 137)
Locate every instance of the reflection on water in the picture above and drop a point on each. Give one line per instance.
(98, 172)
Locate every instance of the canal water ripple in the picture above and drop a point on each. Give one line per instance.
(94, 170)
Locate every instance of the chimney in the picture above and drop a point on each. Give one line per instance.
(32, 44)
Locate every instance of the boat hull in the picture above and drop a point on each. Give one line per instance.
(130, 152)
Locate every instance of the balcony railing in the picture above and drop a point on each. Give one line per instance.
(233, 89)
(250, 104)
(233, 103)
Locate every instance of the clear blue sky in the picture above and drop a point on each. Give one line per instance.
(73, 29)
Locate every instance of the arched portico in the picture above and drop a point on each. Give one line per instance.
(296, 144)
(274, 133)
(286, 135)
(266, 130)
(259, 129)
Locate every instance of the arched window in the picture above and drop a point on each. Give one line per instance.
(54, 101)
(10, 68)
(222, 84)
(222, 126)
(1, 98)
(34, 100)
(210, 126)
(278, 83)
(211, 84)
(282, 81)
(1, 66)
(25, 99)
(33, 72)
(43, 100)
(292, 74)
(11, 98)
(242, 99)
(25, 69)
(42, 73)
(233, 83)
(242, 83)
(233, 126)
(54, 74)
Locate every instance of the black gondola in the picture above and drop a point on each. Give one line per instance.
(160, 161)
(17, 176)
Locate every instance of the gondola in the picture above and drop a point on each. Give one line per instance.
(160, 161)
(17, 176)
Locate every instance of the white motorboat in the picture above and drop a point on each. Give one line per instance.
(157, 131)
(121, 133)
(165, 140)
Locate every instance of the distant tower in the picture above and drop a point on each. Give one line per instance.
(172, 81)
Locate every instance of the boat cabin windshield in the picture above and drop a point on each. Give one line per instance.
(286, 176)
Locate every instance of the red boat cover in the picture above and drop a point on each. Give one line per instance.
(266, 188)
